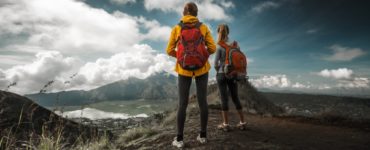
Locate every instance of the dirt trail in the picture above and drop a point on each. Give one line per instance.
(285, 133)
(262, 133)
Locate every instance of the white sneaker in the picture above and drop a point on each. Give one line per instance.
(178, 144)
(201, 140)
(242, 125)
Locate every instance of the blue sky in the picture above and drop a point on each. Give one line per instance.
(291, 44)
(286, 37)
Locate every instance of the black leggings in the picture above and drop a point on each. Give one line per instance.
(223, 84)
(184, 87)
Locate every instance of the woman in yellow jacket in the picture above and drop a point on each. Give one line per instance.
(185, 76)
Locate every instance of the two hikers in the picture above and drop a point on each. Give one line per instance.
(191, 43)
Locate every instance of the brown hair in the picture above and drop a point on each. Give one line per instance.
(190, 9)
(223, 33)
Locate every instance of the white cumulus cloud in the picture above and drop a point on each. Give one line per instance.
(340, 73)
(341, 53)
(68, 26)
(278, 81)
(69, 37)
(73, 28)
(271, 81)
(357, 82)
(345, 78)
(141, 62)
(155, 31)
(32, 77)
(300, 86)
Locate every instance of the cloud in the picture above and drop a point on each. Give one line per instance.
(341, 53)
(312, 31)
(11, 60)
(171, 6)
(73, 28)
(68, 26)
(155, 31)
(324, 87)
(32, 77)
(357, 82)
(141, 61)
(280, 81)
(227, 4)
(340, 73)
(250, 60)
(264, 6)
(298, 85)
(60, 32)
(345, 78)
(207, 9)
(122, 2)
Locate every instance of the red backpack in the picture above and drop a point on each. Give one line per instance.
(235, 62)
(191, 49)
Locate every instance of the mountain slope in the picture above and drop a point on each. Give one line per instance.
(22, 120)
(252, 100)
(158, 86)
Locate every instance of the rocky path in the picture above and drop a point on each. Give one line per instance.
(262, 133)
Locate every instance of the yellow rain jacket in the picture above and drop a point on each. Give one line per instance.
(174, 38)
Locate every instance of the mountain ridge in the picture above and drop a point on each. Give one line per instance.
(160, 85)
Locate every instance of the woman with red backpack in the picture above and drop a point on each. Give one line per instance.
(191, 43)
(227, 76)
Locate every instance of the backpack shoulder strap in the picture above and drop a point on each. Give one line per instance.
(223, 44)
(198, 24)
(181, 24)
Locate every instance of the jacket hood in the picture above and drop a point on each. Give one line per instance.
(189, 19)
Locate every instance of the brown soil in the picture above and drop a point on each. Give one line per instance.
(262, 133)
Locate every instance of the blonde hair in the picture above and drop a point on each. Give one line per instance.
(223, 33)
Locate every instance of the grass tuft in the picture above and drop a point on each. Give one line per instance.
(98, 144)
(169, 120)
(136, 133)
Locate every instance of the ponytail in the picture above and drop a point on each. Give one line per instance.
(223, 33)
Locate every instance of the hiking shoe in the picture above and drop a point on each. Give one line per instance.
(224, 127)
(178, 144)
(201, 140)
(241, 126)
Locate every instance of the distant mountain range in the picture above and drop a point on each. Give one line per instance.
(158, 86)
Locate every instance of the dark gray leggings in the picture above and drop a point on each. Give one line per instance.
(184, 87)
(223, 84)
